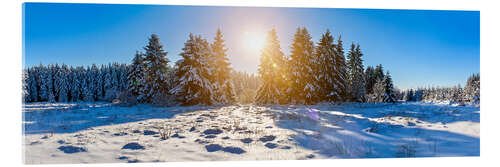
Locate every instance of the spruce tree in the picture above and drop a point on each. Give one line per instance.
(94, 73)
(25, 85)
(472, 89)
(108, 83)
(326, 72)
(75, 85)
(379, 72)
(86, 94)
(61, 82)
(193, 85)
(341, 69)
(302, 64)
(136, 75)
(379, 91)
(156, 67)
(272, 72)
(224, 92)
(389, 95)
(355, 69)
(32, 84)
(370, 79)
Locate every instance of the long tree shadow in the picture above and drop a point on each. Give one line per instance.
(41, 118)
(426, 112)
(348, 136)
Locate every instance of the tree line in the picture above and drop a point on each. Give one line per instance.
(319, 72)
(202, 76)
(312, 73)
(470, 94)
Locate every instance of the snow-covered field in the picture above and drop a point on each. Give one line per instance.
(103, 133)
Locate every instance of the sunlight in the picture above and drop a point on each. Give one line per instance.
(254, 40)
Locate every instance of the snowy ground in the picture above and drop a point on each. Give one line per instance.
(103, 133)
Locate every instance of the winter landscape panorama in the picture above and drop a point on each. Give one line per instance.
(157, 83)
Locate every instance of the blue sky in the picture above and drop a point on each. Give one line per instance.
(419, 48)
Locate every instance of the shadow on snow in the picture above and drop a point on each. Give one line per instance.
(349, 136)
(39, 118)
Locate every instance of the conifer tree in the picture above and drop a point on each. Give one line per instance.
(156, 67)
(193, 85)
(303, 82)
(94, 73)
(341, 69)
(355, 69)
(379, 72)
(25, 85)
(108, 83)
(272, 72)
(370, 79)
(75, 85)
(61, 82)
(326, 72)
(224, 92)
(472, 89)
(389, 95)
(136, 76)
(32, 84)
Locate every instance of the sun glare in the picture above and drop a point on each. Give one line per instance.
(254, 41)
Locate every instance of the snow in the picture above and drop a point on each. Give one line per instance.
(104, 132)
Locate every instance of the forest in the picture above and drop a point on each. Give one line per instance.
(314, 72)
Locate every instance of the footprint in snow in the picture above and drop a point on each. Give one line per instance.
(229, 149)
(267, 138)
(133, 146)
(71, 149)
(210, 136)
(246, 140)
(179, 136)
(212, 131)
(213, 147)
(150, 132)
(234, 150)
(271, 145)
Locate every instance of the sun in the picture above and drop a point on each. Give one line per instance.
(254, 41)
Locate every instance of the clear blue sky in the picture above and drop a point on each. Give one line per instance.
(419, 48)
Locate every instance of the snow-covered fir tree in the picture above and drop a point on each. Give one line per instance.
(224, 92)
(75, 85)
(356, 77)
(108, 83)
(94, 81)
(34, 85)
(25, 86)
(193, 84)
(156, 65)
(47, 85)
(123, 85)
(408, 95)
(136, 76)
(378, 92)
(100, 76)
(472, 89)
(327, 71)
(61, 80)
(370, 79)
(341, 69)
(303, 82)
(272, 72)
(389, 95)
